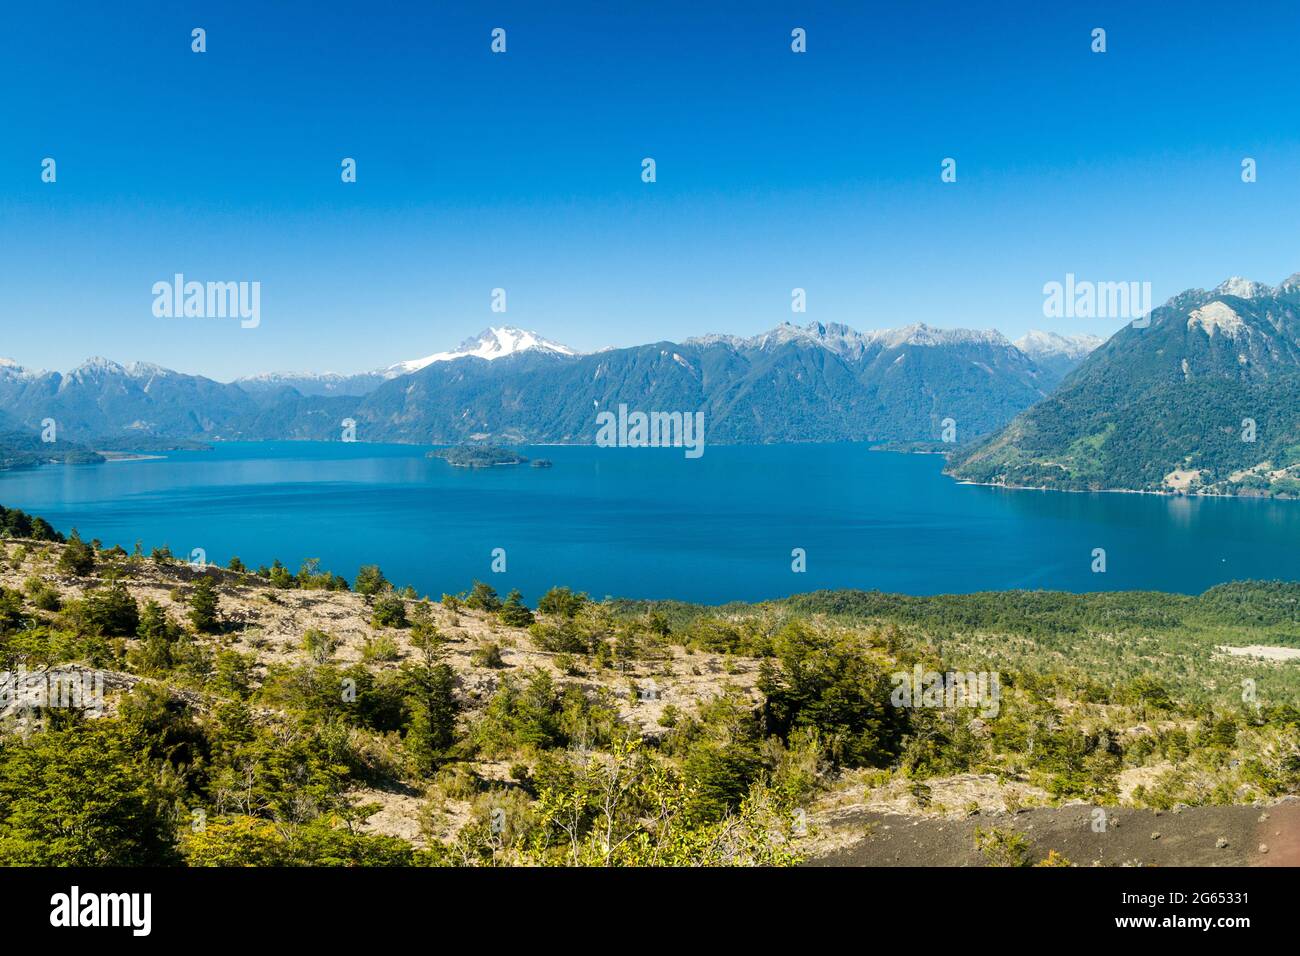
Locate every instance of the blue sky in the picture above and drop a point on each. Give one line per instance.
(522, 170)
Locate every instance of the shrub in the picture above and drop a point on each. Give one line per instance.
(381, 647)
(43, 595)
(84, 796)
(157, 635)
(562, 637)
(78, 558)
(487, 655)
(280, 577)
(1002, 847)
(483, 598)
(561, 602)
(514, 613)
(110, 612)
(320, 646)
(389, 611)
(370, 580)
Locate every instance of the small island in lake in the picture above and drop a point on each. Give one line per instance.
(918, 447)
(480, 456)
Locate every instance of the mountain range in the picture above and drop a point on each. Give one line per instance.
(1203, 399)
(1056, 354)
(819, 382)
(490, 344)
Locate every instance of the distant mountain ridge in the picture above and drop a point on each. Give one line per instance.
(819, 382)
(1055, 353)
(490, 344)
(1206, 399)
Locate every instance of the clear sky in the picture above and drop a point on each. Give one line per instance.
(523, 170)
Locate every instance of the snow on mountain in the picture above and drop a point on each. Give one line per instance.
(493, 343)
(313, 383)
(1038, 344)
(97, 364)
(922, 334)
(1243, 288)
(843, 340)
(12, 370)
(490, 344)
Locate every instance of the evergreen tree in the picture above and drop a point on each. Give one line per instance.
(157, 634)
(432, 700)
(370, 580)
(203, 606)
(561, 602)
(78, 558)
(483, 598)
(12, 617)
(280, 576)
(515, 612)
(110, 612)
(389, 611)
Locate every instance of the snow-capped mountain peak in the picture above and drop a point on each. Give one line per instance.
(1036, 344)
(1242, 288)
(922, 334)
(12, 371)
(490, 344)
(98, 365)
(846, 341)
(147, 370)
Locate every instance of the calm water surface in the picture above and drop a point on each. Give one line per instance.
(650, 523)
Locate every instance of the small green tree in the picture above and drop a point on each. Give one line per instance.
(110, 611)
(561, 602)
(483, 597)
(432, 700)
(203, 606)
(320, 647)
(78, 558)
(515, 613)
(157, 634)
(280, 576)
(389, 611)
(43, 595)
(12, 617)
(370, 580)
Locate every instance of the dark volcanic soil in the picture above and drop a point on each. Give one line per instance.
(1256, 836)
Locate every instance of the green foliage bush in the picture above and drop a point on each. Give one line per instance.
(389, 611)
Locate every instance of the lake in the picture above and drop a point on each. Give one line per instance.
(643, 522)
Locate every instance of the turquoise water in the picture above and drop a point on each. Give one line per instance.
(649, 523)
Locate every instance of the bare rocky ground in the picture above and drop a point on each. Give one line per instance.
(1191, 836)
(269, 623)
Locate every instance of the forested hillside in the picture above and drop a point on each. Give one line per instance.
(1206, 399)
